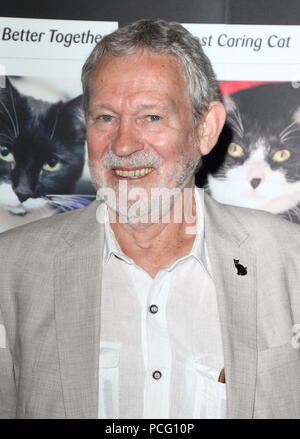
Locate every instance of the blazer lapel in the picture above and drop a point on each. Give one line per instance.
(236, 295)
(77, 285)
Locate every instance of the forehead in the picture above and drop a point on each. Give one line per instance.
(142, 71)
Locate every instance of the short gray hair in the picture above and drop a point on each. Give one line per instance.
(161, 37)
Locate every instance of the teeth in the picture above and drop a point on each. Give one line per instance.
(133, 174)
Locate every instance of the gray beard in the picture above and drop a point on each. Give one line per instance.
(154, 203)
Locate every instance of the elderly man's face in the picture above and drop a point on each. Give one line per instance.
(141, 127)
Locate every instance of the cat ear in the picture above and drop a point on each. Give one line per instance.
(210, 126)
(71, 122)
(230, 105)
(9, 97)
(5, 83)
(8, 89)
(296, 116)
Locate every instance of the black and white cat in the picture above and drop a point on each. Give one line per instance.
(42, 151)
(257, 160)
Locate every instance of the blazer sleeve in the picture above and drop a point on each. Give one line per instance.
(8, 394)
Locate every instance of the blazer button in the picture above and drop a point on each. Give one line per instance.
(153, 309)
(156, 375)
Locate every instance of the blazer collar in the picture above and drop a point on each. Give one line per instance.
(227, 239)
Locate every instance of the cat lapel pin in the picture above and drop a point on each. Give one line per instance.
(241, 270)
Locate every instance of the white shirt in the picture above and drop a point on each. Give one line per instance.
(164, 363)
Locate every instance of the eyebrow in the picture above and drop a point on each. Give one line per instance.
(147, 107)
(101, 106)
(152, 106)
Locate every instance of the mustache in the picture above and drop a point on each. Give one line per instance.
(149, 159)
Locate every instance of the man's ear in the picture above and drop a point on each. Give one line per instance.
(210, 125)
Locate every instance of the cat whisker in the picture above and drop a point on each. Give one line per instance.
(6, 135)
(235, 118)
(14, 108)
(287, 139)
(239, 119)
(236, 125)
(8, 130)
(54, 126)
(289, 130)
(287, 135)
(287, 127)
(11, 119)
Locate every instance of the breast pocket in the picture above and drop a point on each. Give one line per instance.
(210, 395)
(109, 380)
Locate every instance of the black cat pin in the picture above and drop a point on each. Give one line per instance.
(241, 270)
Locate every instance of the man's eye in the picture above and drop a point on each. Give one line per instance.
(105, 118)
(153, 117)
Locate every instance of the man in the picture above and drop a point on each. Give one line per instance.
(157, 302)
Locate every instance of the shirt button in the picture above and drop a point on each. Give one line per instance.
(153, 309)
(156, 375)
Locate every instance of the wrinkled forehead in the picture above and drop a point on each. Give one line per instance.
(155, 68)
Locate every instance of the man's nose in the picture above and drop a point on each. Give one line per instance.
(127, 139)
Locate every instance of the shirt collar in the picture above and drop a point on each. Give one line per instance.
(198, 247)
(197, 251)
(112, 246)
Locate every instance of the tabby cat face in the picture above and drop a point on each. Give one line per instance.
(41, 149)
(261, 165)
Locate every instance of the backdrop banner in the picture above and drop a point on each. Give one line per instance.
(257, 160)
(43, 163)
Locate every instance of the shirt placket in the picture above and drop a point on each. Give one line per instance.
(158, 367)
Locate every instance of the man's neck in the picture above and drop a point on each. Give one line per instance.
(154, 246)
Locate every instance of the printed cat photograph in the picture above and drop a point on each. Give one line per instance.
(256, 163)
(42, 156)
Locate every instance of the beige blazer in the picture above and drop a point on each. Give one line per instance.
(50, 294)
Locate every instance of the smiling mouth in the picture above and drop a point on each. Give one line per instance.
(133, 173)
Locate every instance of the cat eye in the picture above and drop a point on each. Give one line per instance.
(52, 165)
(6, 155)
(235, 150)
(282, 155)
